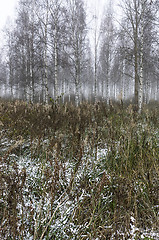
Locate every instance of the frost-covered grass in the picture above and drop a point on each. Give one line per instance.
(78, 173)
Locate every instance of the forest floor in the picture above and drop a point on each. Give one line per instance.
(86, 173)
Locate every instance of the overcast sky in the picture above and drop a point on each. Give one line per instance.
(7, 8)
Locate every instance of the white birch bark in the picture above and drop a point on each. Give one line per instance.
(123, 79)
(63, 91)
(77, 86)
(140, 94)
(11, 78)
(107, 83)
(32, 86)
(44, 30)
(46, 92)
(56, 62)
(95, 73)
(77, 65)
(95, 61)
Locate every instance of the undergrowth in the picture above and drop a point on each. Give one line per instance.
(87, 172)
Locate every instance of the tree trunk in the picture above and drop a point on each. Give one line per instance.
(140, 100)
(136, 61)
(45, 56)
(56, 63)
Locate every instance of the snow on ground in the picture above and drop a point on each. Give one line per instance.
(34, 172)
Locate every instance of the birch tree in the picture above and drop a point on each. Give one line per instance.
(25, 32)
(57, 41)
(137, 14)
(10, 62)
(96, 35)
(77, 40)
(107, 46)
(42, 13)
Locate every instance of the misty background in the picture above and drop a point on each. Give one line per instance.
(79, 50)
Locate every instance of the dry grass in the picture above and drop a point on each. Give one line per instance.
(78, 173)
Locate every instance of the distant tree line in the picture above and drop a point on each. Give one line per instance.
(48, 53)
